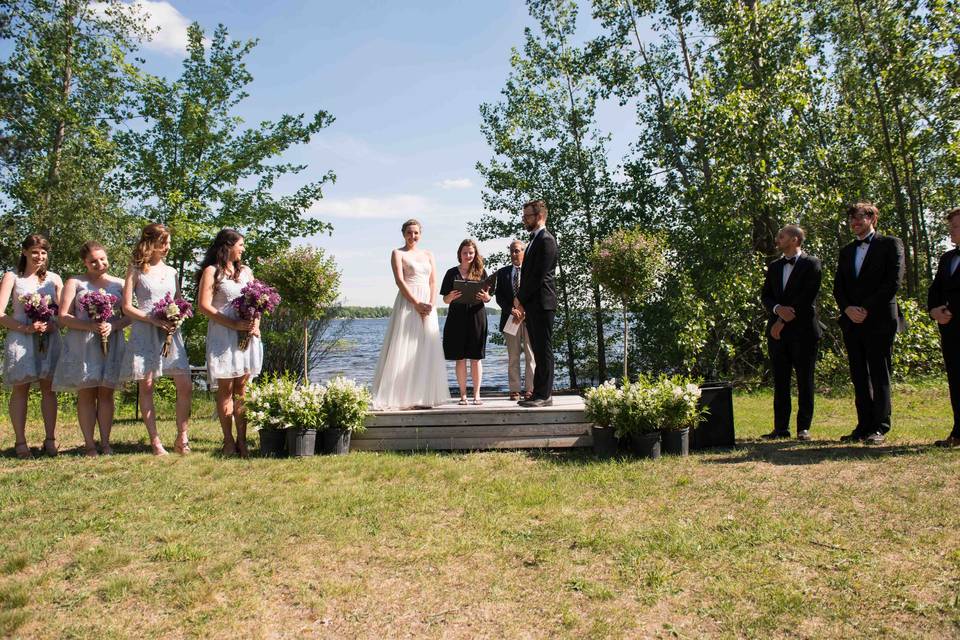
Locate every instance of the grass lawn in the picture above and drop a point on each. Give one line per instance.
(812, 540)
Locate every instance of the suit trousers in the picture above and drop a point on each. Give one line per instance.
(515, 345)
(540, 329)
(871, 364)
(951, 359)
(788, 356)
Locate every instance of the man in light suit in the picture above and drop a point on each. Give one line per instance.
(943, 302)
(789, 295)
(869, 273)
(508, 284)
(536, 300)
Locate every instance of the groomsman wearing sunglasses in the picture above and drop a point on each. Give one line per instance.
(869, 273)
(943, 302)
(789, 295)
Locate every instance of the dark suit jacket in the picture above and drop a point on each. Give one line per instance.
(875, 289)
(537, 275)
(801, 293)
(945, 290)
(504, 293)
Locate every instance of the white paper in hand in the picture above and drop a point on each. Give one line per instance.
(512, 326)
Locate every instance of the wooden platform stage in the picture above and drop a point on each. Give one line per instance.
(496, 424)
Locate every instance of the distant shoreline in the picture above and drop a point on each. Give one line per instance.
(356, 313)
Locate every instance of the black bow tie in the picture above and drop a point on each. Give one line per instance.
(792, 260)
(865, 240)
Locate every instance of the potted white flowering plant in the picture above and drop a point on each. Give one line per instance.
(306, 412)
(679, 407)
(601, 408)
(637, 417)
(346, 407)
(265, 412)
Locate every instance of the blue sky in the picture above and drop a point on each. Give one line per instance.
(404, 82)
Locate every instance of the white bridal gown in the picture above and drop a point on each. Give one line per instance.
(411, 371)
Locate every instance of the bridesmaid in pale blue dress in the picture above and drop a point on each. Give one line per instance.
(83, 367)
(149, 279)
(23, 363)
(229, 368)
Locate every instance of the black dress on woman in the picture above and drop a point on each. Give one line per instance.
(465, 330)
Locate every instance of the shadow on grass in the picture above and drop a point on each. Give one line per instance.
(792, 453)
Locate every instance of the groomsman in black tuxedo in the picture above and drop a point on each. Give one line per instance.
(869, 272)
(508, 284)
(789, 295)
(943, 301)
(537, 299)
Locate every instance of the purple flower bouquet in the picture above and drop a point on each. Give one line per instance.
(174, 310)
(100, 307)
(256, 299)
(39, 308)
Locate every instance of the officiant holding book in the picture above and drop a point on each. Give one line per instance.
(512, 324)
(465, 329)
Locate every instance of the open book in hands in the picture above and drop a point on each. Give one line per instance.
(470, 288)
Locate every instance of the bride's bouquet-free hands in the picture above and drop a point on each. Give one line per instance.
(100, 307)
(172, 312)
(256, 299)
(39, 308)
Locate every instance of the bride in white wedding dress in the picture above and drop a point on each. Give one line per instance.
(411, 372)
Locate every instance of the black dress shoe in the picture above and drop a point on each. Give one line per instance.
(950, 443)
(853, 436)
(875, 438)
(776, 435)
(803, 434)
(536, 402)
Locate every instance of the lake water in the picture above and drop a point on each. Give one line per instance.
(360, 349)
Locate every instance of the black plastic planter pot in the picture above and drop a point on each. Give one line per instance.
(336, 441)
(676, 442)
(646, 445)
(301, 442)
(604, 441)
(273, 443)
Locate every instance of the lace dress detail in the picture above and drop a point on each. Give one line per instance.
(142, 355)
(22, 361)
(411, 370)
(224, 358)
(82, 364)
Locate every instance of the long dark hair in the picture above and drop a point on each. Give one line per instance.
(31, 241)
(218, 255)
(476, 267)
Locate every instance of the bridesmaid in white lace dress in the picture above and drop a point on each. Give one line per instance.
(83, 367)
(23, 363)
(149, 279)
(229, 368)
(412, 372)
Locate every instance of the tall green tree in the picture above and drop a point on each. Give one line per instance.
(63, 87)
(196, 168)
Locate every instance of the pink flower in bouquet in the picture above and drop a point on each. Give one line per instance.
(100, 307)
(39, 308)
(174, 310)
(256, 299)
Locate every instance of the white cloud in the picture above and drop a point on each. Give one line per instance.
(351, 148)
(167, 26)
(395, 206)
(455, 183)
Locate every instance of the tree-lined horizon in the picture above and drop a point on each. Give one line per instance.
(752, 114)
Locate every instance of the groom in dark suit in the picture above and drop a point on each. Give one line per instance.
(943, 302)
(869, 273)
(789, 295)
(537, 299)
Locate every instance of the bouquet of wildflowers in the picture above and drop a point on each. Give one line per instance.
(174, 310)
(100, 306)
(256, 299)
(39, 308)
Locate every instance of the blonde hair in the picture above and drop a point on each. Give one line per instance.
(411, 223)
(152, 238)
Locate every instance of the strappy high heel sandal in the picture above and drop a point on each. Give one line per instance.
(182, 445)
(50, 447)
(23, 451)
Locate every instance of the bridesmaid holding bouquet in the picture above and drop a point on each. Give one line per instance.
(234, 349)
(33, 342)
(94, 347)
(156, 345)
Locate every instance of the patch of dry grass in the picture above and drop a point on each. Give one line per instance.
(780, 539)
